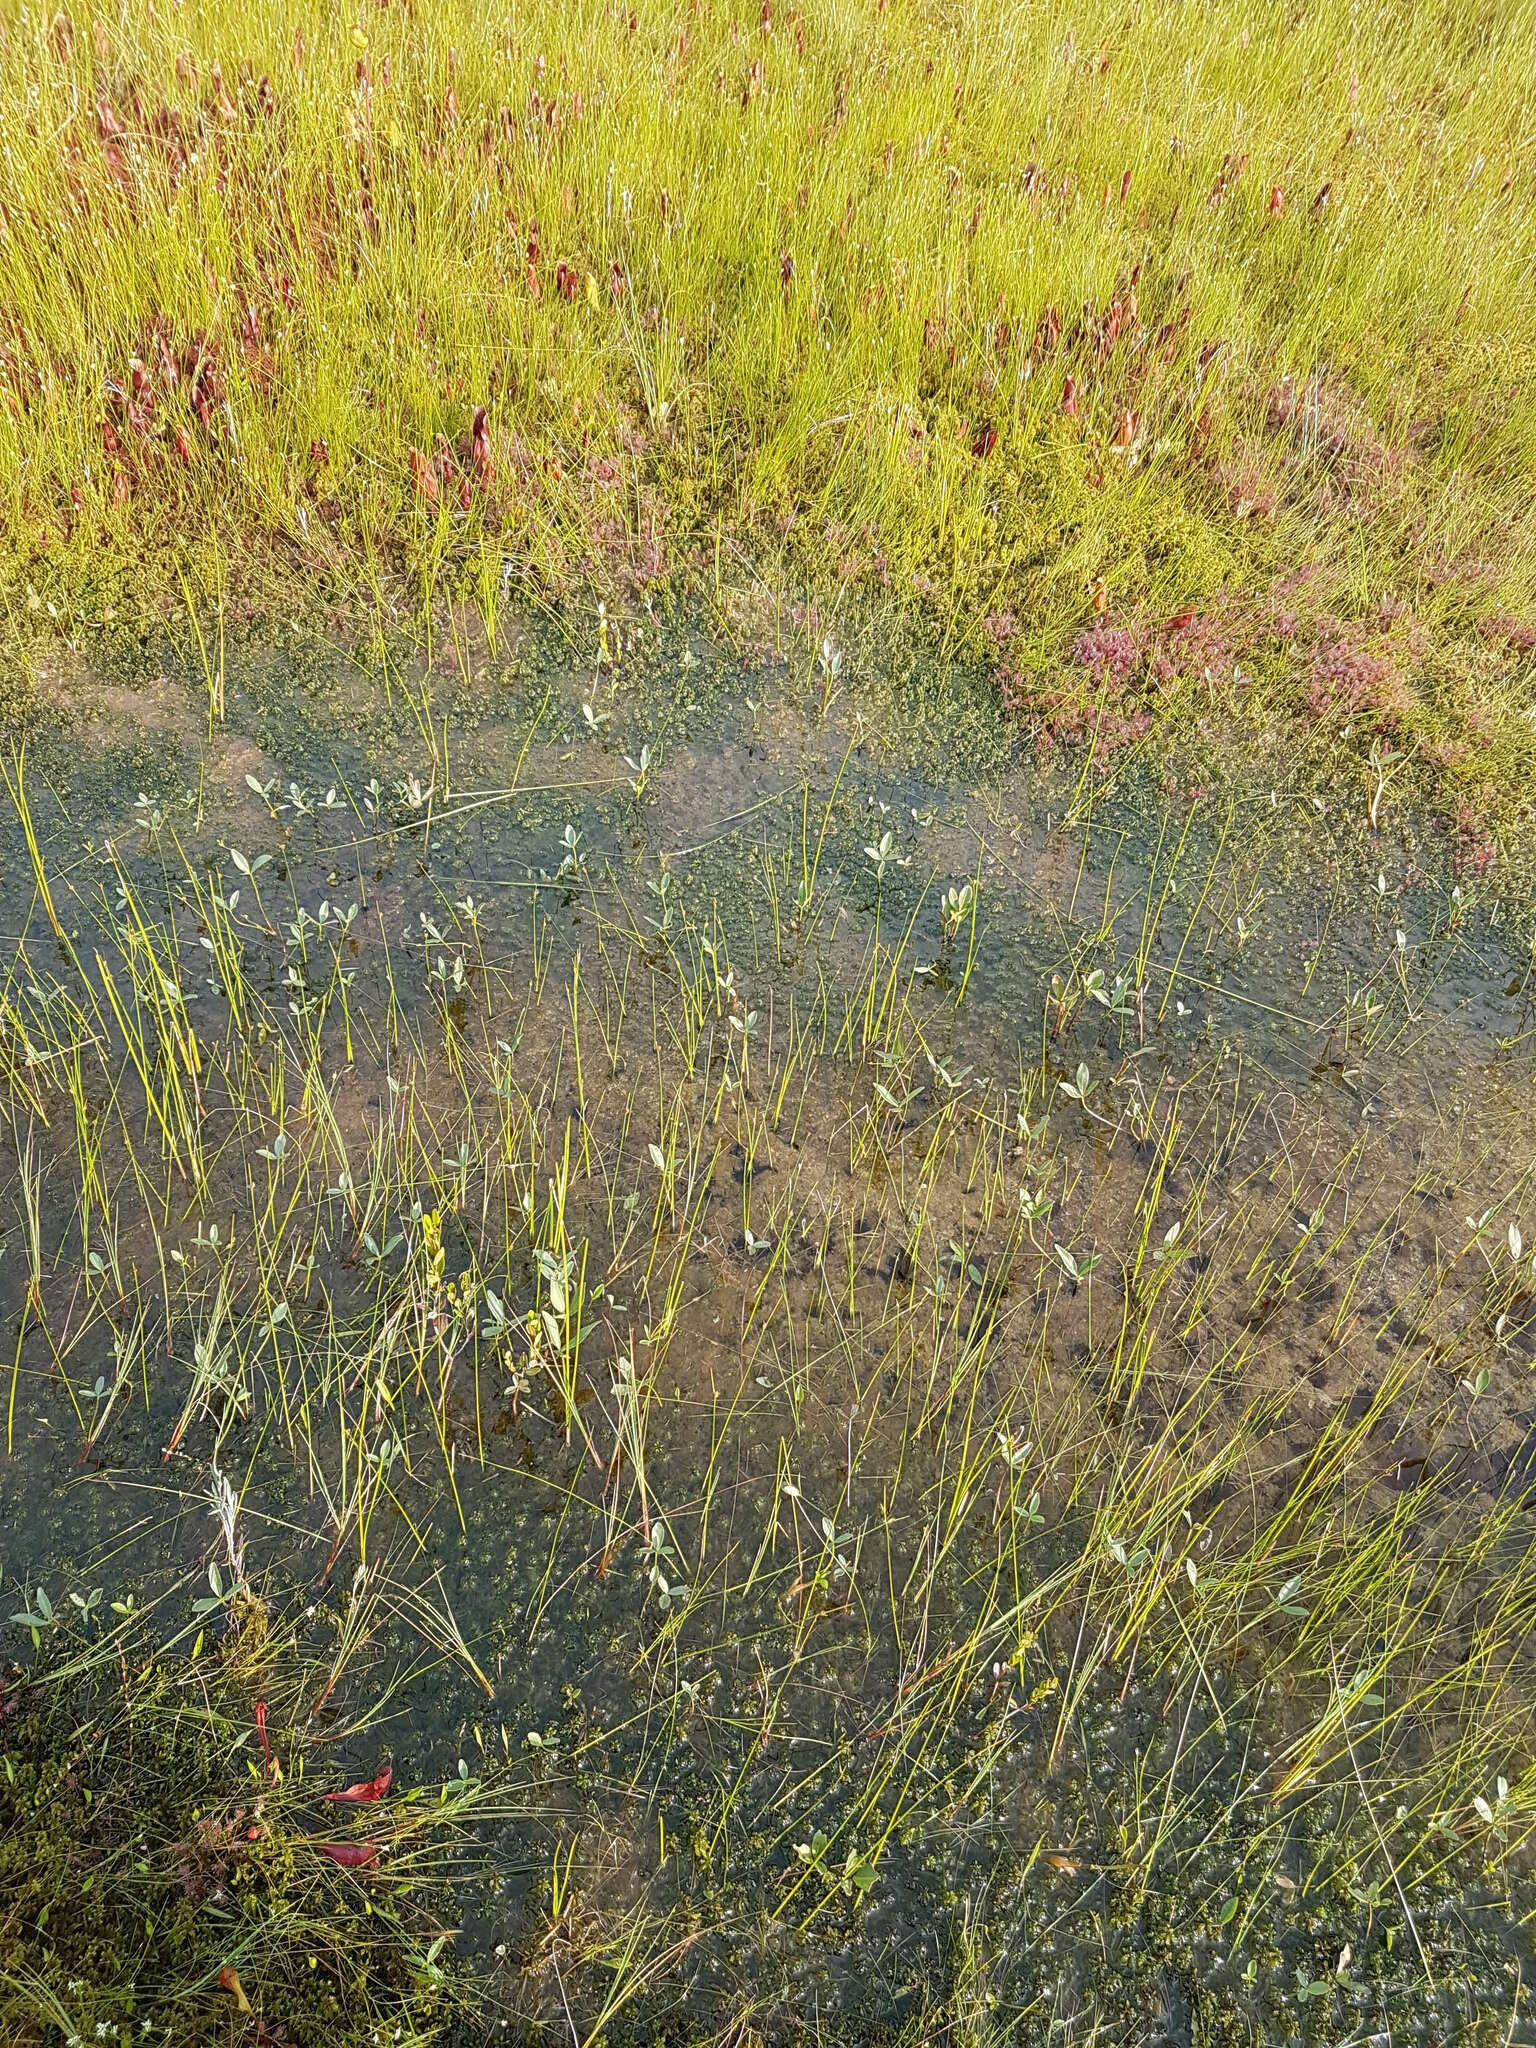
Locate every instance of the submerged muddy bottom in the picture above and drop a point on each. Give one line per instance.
(915, 1396)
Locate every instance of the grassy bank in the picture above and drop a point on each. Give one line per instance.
(1145, 355)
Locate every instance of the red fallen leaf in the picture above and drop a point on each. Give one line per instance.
(423, 477)
(1276, 202)
(1180, 621)
(984, 443)
(366, 1791)
(350, 1855)
(1069, 397)
(1130, 423)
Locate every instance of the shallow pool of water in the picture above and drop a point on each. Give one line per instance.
(928, 1370)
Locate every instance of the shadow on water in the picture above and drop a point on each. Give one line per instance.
(923, 1378)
